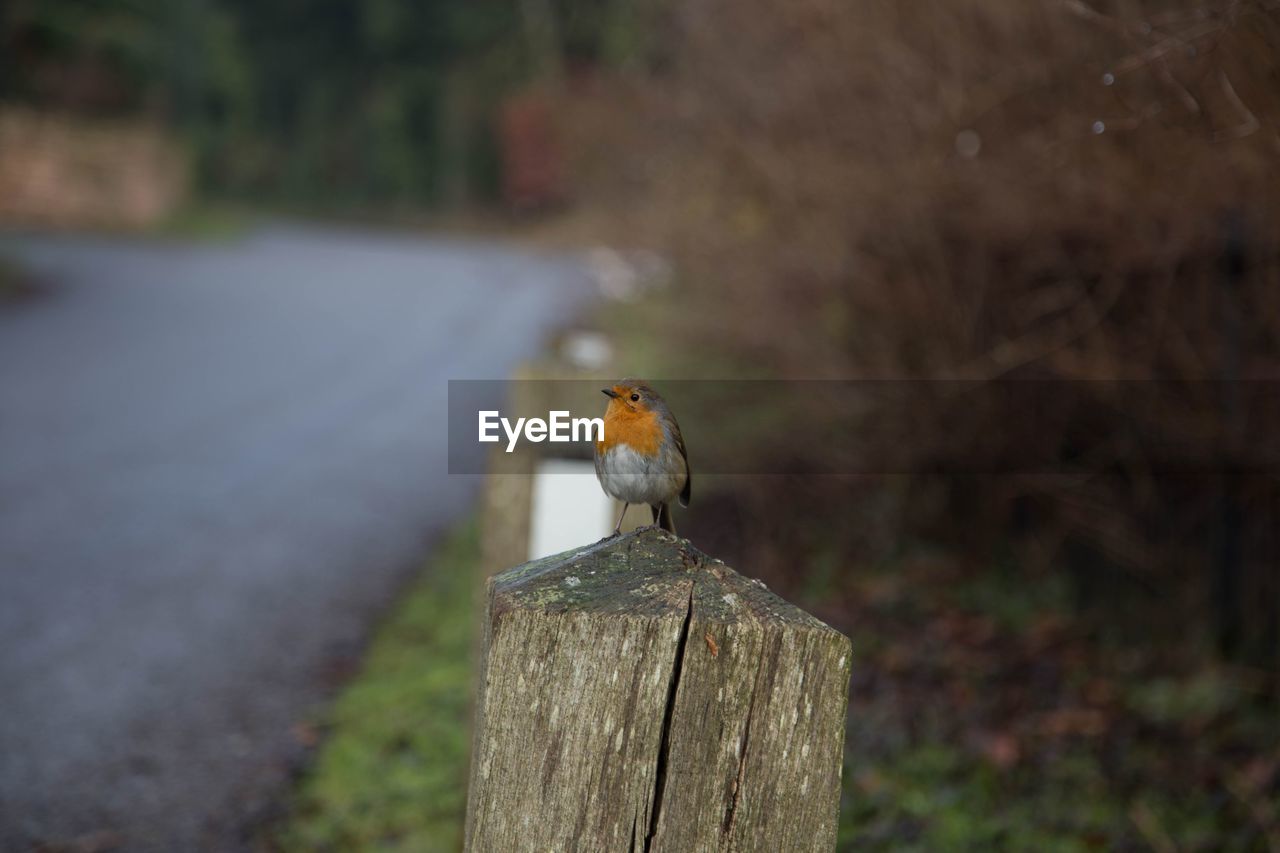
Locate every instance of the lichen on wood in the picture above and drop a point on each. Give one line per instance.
(639, 695)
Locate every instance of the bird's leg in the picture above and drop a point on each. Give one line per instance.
(664, 520)
(657, 518)
(617, 528)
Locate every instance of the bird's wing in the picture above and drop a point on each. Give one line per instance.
(687, 491)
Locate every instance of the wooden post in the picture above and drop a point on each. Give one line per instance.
(639, 695)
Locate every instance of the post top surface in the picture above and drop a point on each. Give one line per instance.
(646, 573)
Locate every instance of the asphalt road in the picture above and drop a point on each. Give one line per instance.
(218, 462)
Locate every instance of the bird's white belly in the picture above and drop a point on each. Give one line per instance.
(630, 477)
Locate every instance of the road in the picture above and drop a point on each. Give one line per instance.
(218, 462)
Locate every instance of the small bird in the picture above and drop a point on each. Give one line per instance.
(641, 457)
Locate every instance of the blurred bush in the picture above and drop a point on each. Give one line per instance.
(1060, 192)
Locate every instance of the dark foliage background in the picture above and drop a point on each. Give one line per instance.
(1058, 193)
(378, 103)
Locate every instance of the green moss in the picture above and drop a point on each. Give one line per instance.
(936, 797)
(1012, 601)
(1197, 699)
(391, 774)
(205, 221)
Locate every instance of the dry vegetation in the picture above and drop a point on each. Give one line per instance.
(982, 192)
(1055, 191)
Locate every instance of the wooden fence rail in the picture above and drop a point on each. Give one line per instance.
(639, 695)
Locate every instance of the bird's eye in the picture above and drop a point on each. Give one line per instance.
(635, 398)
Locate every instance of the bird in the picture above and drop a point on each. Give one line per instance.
(640, 457)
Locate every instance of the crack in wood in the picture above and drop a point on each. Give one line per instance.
(732, 812)
(664, 748)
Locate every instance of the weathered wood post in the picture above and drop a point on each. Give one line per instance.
(639, 695)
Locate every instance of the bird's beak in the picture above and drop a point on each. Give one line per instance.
(609, 392)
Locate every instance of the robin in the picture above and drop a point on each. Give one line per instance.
(641, 457)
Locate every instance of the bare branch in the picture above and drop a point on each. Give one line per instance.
(1159, 49)
(1249, 125)
(1184, 95)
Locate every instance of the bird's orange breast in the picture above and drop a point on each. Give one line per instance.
(639, 429)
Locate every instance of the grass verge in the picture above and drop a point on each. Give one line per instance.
(206, 221)
(391, 772)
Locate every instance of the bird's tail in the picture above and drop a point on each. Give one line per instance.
(662, 517)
